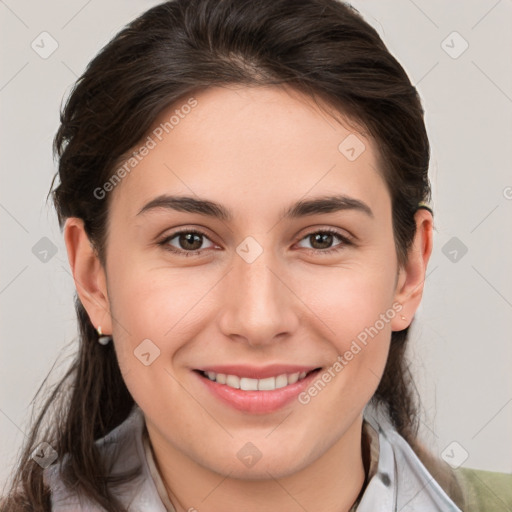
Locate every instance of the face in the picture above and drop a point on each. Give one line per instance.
(278, 295)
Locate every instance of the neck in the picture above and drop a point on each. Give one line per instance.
(331, 483)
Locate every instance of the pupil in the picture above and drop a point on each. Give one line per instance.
(323, 238)
(189, 238)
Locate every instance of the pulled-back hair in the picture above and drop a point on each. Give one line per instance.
(322, 48)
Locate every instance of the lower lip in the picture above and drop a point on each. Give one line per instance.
(258, 402)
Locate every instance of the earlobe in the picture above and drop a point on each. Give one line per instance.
(88, 274)
(411, 277)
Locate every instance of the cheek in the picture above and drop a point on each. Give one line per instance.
(143, 312)
(347, 301)
(148, 335)
(359, 337)
(354, 310)
(156, 311)
(153, 301)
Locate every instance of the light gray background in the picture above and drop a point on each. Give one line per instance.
(460, 346)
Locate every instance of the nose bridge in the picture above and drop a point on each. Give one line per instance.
(257, 279)
(258, 301)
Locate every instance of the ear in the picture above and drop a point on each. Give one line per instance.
(88, 274)
(411, 277)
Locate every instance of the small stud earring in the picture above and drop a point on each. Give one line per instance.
(103, 339)
(402, 317)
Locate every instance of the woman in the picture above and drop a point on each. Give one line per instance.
(244, 194)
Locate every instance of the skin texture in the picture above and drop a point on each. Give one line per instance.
(256, 151)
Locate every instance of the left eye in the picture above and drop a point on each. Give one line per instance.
(324, 240)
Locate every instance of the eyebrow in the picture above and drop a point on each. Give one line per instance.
(302, 208)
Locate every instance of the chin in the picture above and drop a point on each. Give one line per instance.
(249, 463)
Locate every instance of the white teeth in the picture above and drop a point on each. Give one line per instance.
(281, 381)
(294, 377)
(268, 384)
(233, 381)
(248, 384)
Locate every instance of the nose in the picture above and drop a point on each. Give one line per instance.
(259, 304)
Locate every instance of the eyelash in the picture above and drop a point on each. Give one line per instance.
(344, 239)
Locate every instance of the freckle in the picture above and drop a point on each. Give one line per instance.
(385, 479)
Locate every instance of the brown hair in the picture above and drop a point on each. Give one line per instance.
(322, 48)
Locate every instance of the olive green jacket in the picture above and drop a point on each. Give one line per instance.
(485, 491)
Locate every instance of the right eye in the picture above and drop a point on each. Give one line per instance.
(188, 242)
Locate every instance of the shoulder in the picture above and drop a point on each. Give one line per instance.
(487, 491)
(128, 477)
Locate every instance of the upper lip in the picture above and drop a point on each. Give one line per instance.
(254, 372)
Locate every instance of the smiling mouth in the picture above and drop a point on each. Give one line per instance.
(250, 384)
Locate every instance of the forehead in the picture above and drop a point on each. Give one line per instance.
(251, 147)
